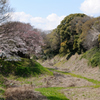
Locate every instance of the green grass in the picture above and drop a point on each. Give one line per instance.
(23, 68)
(93, 56)
(78, 76)
(2, 91)
(96, 82)
(52, 93)
(2, 81)
(29, 80)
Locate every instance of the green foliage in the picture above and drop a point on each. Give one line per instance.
(65, 38)
(2, 91)
(25, 67)
(70, 30)
(52, 93)
(99, 39)
(1, 81)
(52, 44)
(93, 56)
(76, 33)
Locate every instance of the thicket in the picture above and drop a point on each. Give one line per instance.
(76, 33)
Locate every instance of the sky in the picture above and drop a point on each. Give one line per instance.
(47, 14)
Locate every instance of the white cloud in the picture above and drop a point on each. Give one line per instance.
(91, 7)
(48, 23)
(53, 17)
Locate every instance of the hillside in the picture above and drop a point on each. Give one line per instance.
(72, 79)
(81, 80)
(77, 33)
(12, 71)
(70, 54)
(61, 62)
(75, 64)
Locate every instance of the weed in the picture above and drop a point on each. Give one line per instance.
(52, 93)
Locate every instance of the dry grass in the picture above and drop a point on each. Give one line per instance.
(23, 93)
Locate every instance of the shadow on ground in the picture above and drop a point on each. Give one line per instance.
(56, 98)
(2, 98)
(69, 56)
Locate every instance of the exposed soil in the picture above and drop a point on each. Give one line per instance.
(74, 65)
(75, 88)
(78, 67)
(59, 80)
(87, 93)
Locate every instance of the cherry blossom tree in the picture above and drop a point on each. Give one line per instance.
(20, 39)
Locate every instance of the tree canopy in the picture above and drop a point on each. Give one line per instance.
(20, 39)
(76, 33)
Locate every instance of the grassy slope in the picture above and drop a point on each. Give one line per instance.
(31, 67)
(23, 68)
(93, 56)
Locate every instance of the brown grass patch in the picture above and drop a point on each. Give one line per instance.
(23, 93)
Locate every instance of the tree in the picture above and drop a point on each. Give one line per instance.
(90, 32)
(4, 10)
(52, 43)
(70, 30)
(66, 37)
(20, 39)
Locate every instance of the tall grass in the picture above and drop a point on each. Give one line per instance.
(93, 56)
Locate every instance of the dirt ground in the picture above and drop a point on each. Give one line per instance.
(59, 80)
(75, 88)
(86, 93)
(84, 89)
(73, 65)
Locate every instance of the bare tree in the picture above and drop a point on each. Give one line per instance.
(91, 39)
(4, 10)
